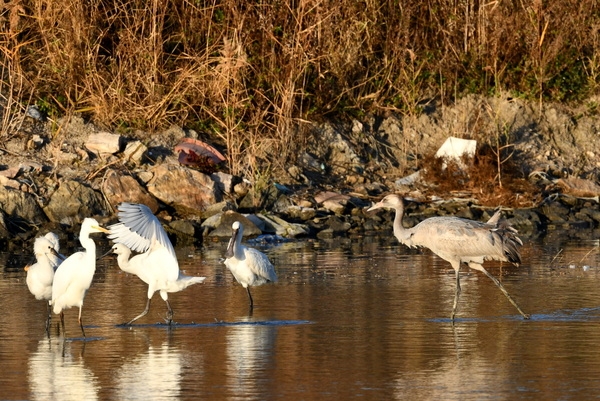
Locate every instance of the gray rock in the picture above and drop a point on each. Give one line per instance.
(227, 219)
(275, 224)
(103, 143)
(134, 152)
(72, 202)
(185, 227)
(225, 182)
(217, 208)
(20, 207)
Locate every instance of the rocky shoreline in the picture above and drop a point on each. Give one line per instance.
(49, 184)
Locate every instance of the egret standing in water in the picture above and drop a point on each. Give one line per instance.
(249, 266)
(459, 240)
(157, 266)
(74, 276)
(41, 274)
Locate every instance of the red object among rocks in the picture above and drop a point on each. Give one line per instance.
(199, 155)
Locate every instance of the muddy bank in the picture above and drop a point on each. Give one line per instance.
(544, 175)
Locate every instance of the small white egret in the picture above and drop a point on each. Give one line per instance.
(458, 241)
(157, 265)
(41, 274)
(74, 275)
(249, 266)
(149, 272)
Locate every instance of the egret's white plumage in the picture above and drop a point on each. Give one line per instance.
(74, 276)
(459, 240)
(249, 266)
(41, 274)
(145, 267)
(157, 265)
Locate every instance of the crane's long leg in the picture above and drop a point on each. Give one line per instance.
(141, 314)
(169, 312)
(457, 293)
(495, 280)
(81, 322)
(250, 297)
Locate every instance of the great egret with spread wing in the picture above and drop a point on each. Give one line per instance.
(249, 266)
(74, 276)
(458, 241)
(157, 265)
(41, 274)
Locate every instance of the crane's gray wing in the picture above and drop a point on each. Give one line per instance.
(139, 229)
(454, 238)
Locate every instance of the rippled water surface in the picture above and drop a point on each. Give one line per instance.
(349, 318)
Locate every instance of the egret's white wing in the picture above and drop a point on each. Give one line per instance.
(260, 264)
(139, 228)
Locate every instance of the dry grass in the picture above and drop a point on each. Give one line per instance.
(247, 74)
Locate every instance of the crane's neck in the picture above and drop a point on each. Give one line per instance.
(399, 231)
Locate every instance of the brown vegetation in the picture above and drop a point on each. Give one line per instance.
(247, 74)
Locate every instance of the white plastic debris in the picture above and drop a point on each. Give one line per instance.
(456, 148)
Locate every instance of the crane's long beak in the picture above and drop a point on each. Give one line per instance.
(375, 206)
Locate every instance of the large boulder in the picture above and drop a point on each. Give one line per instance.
(72, 202)
(20, 208)
(124, 188)
(188, 191)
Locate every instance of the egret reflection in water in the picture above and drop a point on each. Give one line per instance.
(154, 375)
(249, 352)
(55, 374)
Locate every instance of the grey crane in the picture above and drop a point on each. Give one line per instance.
(249, 266)
(458, 241)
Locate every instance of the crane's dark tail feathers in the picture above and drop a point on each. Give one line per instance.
(510, 241)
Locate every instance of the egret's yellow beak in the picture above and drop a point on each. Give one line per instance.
(102, 229)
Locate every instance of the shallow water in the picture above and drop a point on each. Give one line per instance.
(349, 318)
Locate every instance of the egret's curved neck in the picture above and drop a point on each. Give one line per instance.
(237, 246)
(123, 260)
(89, 245)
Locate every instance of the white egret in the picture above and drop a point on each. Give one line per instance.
(74, 276)
(249, 266)
(149, 272)
(459, 240)
(41, 274)
(157, 265)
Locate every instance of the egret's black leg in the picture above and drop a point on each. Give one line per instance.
(141, 314)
